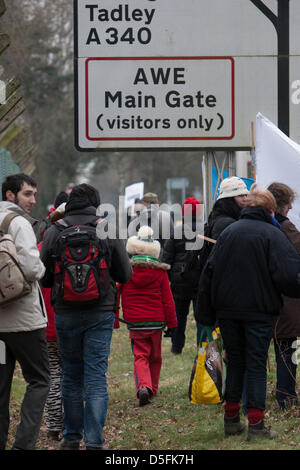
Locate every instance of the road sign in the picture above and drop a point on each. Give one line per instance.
(171, 74)
(176, 109)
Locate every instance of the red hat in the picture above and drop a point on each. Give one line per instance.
(189, 207)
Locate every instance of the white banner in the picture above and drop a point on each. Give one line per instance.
(277, 159)
(132, 192)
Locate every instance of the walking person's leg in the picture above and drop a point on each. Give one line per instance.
(155, 359)
(286, 370)
(141, 349)
(7, 367)
(258, 337)
(53, 406)
(69, 334)
(234, 343)
(30, 350)
(96, 350)
(182, 310)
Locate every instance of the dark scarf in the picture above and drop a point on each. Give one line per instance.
(281, 218)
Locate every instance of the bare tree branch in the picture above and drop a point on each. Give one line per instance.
(266, 11)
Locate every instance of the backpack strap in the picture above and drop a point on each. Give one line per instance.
(7, 220)
(33, 222)
(61, 224)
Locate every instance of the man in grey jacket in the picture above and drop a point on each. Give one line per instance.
(23, 321)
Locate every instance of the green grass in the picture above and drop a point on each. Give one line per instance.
(170, 421)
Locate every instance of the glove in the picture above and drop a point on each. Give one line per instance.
(169, 332)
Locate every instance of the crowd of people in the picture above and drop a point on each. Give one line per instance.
(244, 278)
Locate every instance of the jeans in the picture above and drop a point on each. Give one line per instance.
(182, 307)
(286, 371)
(84, 341)
(246, 345)
(29, 348)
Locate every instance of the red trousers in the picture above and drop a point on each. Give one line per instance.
(146, 348)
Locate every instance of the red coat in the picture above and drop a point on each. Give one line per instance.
(148, 297)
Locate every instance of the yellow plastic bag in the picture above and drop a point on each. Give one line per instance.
(207, 373)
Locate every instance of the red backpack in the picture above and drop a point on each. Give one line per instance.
(81, 272)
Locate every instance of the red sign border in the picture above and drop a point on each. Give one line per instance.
(102, 139)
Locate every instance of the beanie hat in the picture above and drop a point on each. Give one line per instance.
(231, 187)
(83, 195)
(150, 198)
(143, 243)
(191, 206)
(60, 198)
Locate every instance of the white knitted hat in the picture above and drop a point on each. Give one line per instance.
(231, 187)
(143, 243)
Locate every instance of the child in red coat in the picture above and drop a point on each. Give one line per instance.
(148, 307)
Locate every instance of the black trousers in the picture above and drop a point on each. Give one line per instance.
(246, 345)
(182, 307)
(285, 350)
(29, 348)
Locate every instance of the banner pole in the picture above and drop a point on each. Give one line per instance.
(253, 150)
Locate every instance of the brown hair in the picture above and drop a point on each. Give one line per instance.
(262, 198)
(283, 194)
(14, 184)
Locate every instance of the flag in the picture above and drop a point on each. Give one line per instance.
(277, 159)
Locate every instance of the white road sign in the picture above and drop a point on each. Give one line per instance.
(173, 74)
(119, 104)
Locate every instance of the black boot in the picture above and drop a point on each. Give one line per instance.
(144, 396)
(233, 426)
(69, 445)
(259, 430)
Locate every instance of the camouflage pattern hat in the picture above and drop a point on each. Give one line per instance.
(150, 198)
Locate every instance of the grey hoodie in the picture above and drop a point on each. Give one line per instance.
(27, 313)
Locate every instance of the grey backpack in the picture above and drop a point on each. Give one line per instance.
(13, 283)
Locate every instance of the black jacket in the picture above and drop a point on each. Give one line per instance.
(175, 251)
(219, 224)
(118, 260)
(251, 265)
(224, 212)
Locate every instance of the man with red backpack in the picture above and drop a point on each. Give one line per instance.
(82, 271)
